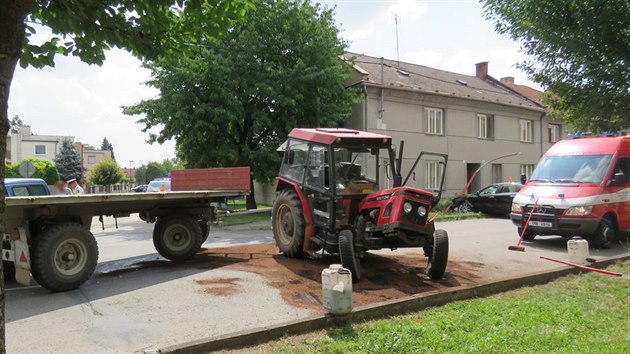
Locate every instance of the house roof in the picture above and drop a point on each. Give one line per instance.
(526, 91)
(419, 78)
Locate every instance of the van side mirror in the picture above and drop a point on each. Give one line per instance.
(619, 179)
(523, 178)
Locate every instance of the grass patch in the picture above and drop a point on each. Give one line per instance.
(452, 216)
(247, 218)
(239, 205)
(576, 314)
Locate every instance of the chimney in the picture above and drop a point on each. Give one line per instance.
(507, 80)
(482, 70)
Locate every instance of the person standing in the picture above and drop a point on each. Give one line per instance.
(75, 187)
(61, 188)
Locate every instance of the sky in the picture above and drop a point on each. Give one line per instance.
(85, 101)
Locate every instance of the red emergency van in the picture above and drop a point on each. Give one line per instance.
(580, 187)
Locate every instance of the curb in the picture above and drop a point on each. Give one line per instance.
(379, 310)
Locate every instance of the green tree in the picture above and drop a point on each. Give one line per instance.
(44, 169)
(87, 29)
(106, 172)
(141, 175)
(233, 103)
(155, 170)
(16, 123)
(68, 161)
(581, 52)
(106, 145)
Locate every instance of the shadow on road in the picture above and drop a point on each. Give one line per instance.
(559, 244)
(110, 279)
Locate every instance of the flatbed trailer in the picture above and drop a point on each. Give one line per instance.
(49, 236)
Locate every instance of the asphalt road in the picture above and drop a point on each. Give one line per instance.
(127, 309)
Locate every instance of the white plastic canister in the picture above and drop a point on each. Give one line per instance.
(578, 250)
(337, 289)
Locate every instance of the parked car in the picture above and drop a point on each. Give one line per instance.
(24, 187)
(495, 199)
(160, 186)
(141, 188)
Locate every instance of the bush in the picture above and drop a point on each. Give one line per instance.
(44, 169)
(105, 173)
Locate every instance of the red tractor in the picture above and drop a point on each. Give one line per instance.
(332, 193)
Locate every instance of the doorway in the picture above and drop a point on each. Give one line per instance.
(470, 170)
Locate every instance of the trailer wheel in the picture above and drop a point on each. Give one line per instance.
(438, 255)
(177, 237)
(63, 257)
(205, 231)
(605, 235)
(288, 224)
(349, 258)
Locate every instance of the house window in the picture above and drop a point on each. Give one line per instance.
(527, 131)
(40, 149)
(527, 170)
(497, 173)
(485, 126)
(433, 175)
(435, 121)
(555, 130)
(91, 159)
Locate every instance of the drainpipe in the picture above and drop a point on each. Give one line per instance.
(381, 110)
(542, 149)
(365, 108)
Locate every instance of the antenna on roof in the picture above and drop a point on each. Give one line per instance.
(397, 46)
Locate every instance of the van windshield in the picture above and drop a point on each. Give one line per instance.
(572, 168)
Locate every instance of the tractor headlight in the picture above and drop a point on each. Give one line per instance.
(422, 210)
(407, 207)
(579, 210)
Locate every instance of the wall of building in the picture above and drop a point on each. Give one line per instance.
(403, 119)
(92, 157)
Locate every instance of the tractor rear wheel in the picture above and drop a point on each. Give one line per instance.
(349, 258)
(288, 224)
(438, 255)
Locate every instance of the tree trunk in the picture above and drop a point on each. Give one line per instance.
(250, 201)
(12, 15)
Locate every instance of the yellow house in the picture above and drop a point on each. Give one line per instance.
(92, 157)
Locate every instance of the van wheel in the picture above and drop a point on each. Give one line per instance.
(178, 237)
(529, 235)
(438, 255)
(605, 235)
(63, 257)
(288, 224)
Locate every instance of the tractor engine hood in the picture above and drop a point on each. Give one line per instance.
(410, 191)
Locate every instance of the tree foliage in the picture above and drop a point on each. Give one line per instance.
(105, 173)
(234, 102)
(153, 170)
(106, 145)
(581, 51)
(44, 169)
(16, 122)
(68, 161)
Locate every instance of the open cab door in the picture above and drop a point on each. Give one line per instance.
(428, 173)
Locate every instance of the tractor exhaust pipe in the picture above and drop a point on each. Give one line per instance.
(398, 176)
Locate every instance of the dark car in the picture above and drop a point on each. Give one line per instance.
(141, 188)
(495, 199)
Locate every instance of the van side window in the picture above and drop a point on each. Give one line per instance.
(623, 165)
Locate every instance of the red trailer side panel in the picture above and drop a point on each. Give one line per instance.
(213, 179)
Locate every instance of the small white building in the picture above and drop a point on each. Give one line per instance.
(24, 144)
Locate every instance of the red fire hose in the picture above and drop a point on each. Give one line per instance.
(590, 269)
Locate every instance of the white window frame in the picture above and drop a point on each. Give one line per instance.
(527, 169)
(526, 131)
(555, 132)
(482, 126)
(435, 121)
(433, 174)
(45, 150)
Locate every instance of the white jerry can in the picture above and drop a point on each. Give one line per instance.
(337, 289)
(578, 250)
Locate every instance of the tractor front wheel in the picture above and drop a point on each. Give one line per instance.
(349, 258)
(288, 224)
(438, 255)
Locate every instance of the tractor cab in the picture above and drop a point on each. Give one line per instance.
(342, 190)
